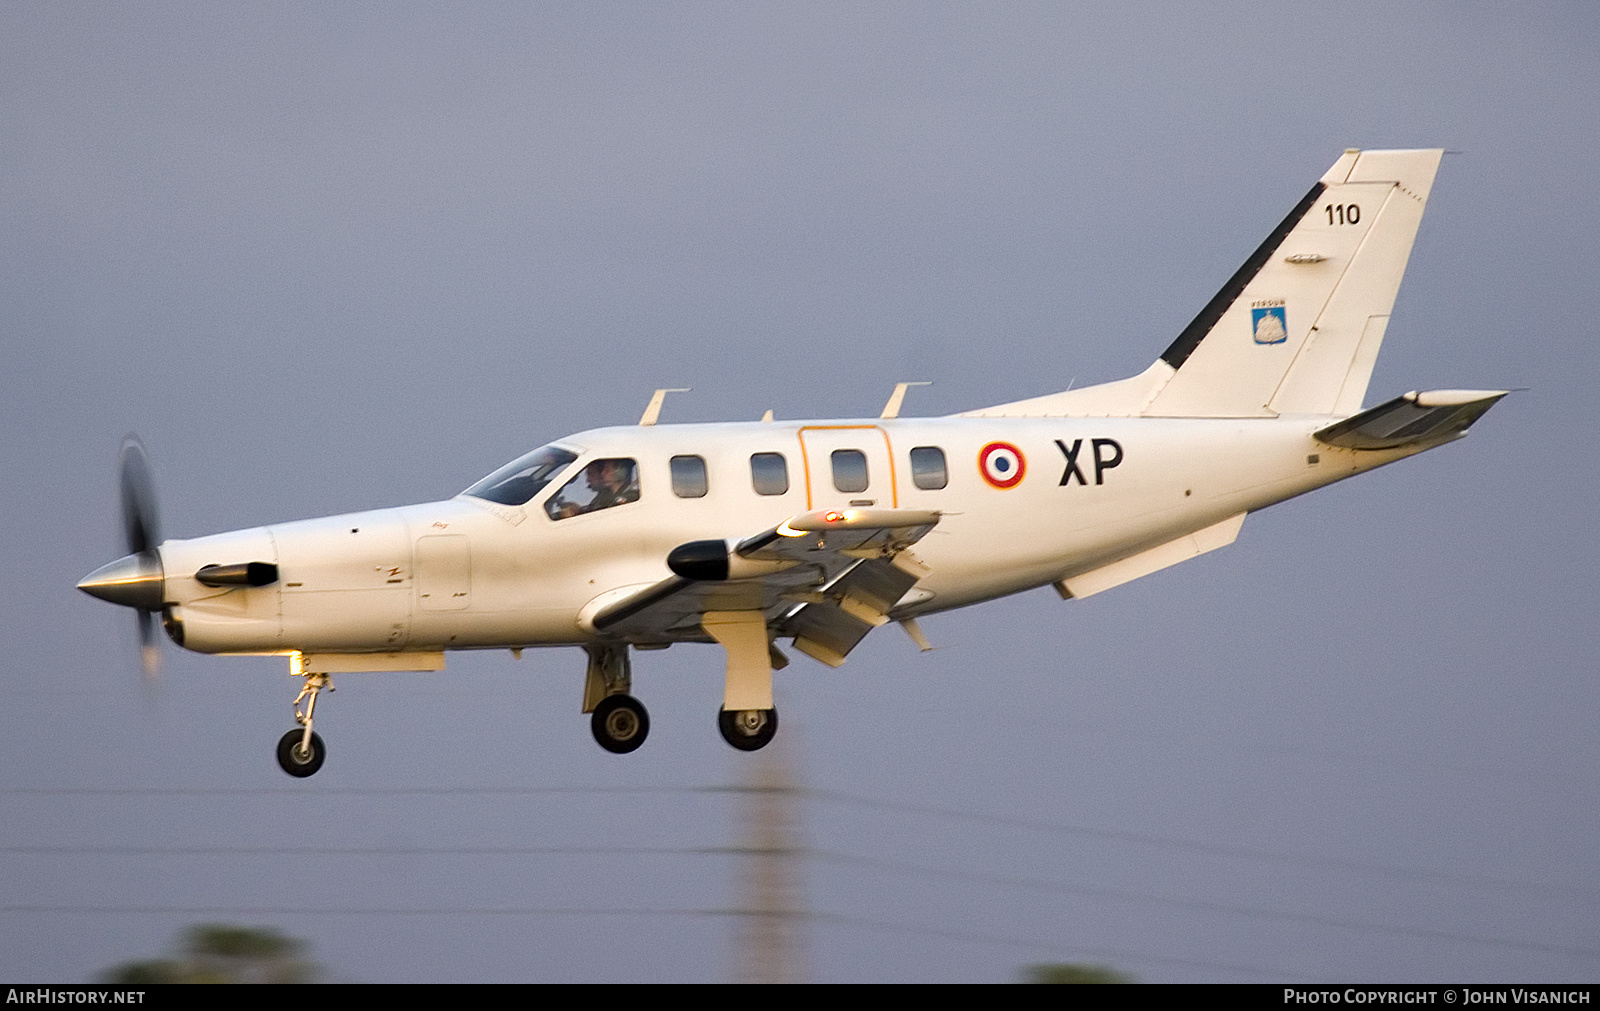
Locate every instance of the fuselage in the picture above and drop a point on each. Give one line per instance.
(1060, 496)
(818, 532)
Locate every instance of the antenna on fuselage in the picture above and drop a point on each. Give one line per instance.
(898, 397)
(652, 410)
(914, 630)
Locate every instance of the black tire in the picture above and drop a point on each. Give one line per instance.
(748, 730)
(620, 724)
(293, 761)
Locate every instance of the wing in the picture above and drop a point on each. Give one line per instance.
(825, 578)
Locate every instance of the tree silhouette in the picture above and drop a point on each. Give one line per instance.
(1073, 972)
(223, 953)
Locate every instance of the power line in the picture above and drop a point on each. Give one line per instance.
(1214, 849)
(1203, 905)
(1569, 892)
(831, 856)
(327, 850)
(313, 792)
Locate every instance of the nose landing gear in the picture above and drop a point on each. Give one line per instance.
(301, 752)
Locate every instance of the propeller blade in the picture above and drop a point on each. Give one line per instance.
(149, 645)
(141, 519)
(141, 528)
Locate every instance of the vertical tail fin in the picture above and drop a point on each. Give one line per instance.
(1297, 328)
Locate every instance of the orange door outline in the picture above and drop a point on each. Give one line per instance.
(805, 458)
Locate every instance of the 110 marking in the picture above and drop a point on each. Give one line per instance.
(1347, 214)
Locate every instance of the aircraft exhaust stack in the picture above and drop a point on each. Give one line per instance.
(242, 574)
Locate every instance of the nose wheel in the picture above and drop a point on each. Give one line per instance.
(298, 757)
(748, 729)
(620, 724)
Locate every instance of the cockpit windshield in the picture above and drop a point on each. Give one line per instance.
(523, 478)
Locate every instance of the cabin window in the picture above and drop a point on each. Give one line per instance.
(927, 468)
(689, 476)
(849, 470)
(600, 485)
(769, 473)
(522, 478)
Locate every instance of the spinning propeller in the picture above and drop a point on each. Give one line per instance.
(138, 579)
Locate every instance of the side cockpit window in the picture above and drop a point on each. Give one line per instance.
(601, 485)
(522, 478)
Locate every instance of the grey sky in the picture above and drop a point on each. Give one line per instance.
(324, 261)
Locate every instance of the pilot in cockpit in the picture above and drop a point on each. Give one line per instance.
(614, 481)
(600, 485)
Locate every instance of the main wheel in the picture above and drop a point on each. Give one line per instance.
(748, 729)
(295, 760)
(620, 724)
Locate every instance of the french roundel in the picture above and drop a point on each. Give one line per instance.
(1002, 464)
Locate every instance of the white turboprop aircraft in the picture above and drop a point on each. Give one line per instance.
(819, 531)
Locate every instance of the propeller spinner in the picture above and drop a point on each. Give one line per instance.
(136, 580)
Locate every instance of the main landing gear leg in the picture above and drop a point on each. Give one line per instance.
(748, 720)
(620, 723)
(301, 752)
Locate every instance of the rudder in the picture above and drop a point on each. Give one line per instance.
(1298, 327)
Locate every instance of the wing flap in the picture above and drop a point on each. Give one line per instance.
(851, 606)
(827, 578)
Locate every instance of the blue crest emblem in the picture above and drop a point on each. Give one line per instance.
(1269, 325)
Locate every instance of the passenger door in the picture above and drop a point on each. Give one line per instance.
(848, 466)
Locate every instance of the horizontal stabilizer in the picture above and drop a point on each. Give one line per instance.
(1430, 416)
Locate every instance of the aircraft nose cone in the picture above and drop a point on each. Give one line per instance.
(132, 581)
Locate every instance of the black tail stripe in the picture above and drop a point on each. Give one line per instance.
(1196, 331)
